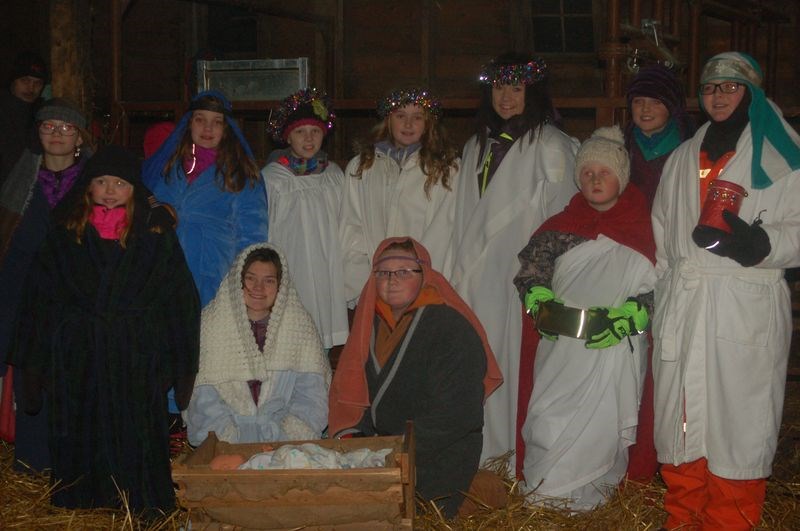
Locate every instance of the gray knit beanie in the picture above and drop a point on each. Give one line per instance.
(61, 109)
(606, 146)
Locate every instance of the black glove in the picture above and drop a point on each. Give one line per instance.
(746, 244)
(184, 386)
(32, 388)
(161, 214)
(711, 239)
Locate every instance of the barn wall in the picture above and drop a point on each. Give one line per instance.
(360, 49)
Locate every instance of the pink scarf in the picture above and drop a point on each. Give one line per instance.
(197, 164)
(109, 223)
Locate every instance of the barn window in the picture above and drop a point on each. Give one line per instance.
(563, 26)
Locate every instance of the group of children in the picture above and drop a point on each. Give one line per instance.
(422, 245)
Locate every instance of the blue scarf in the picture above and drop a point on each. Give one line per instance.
(398, 154)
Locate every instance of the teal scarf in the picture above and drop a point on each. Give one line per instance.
(659, 143)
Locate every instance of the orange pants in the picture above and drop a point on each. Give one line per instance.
(697, 499)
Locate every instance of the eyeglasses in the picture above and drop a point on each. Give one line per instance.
(48, 128)
(399, 274)
(728, 87)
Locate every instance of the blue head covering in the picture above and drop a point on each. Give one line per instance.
(765, 122)
(153, 167)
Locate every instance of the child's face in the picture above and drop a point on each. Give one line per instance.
(649, 114)
(260, 289)
(719, 106)
(599, 185)
(110, 191)
(57, 142)
(305, 141)
(398, 293)
(207, 128)
(407, 125)
(508, 100)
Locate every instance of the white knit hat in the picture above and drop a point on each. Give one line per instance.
(606, 146)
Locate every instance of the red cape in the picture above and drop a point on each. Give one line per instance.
(627, 223)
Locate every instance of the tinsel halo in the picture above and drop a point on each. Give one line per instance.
(528, 73)
(316, 101)
(417, 96)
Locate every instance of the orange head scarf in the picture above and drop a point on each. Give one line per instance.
(349, 394)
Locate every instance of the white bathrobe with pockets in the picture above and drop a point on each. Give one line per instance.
(722, 331)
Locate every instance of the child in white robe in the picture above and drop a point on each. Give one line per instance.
(304, 190)
(598, 253)
(400, 184)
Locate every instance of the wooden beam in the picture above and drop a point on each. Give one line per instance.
(636, 14)
(266, 8)
(693, 73)
(675, 17)
(426, 48)
(612, 52)
(69, 52)
(771, 82)
(117, 115)
(658, 13)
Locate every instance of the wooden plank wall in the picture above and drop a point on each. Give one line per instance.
(359, 49)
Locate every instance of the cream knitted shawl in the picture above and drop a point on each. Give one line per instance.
(229, 356)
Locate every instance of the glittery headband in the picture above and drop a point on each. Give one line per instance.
(528, 73)
(317, 104)
(420, 97)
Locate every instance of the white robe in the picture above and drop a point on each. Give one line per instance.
(390, 201)
(722, 331)
(304, 224)
(533, 182)
(583, 412)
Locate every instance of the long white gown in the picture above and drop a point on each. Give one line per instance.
(533, 182)
(304, 224)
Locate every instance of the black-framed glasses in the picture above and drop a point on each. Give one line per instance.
(726, 87)
(399, 274)
(48, 128)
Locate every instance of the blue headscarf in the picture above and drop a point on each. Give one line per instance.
(153, 167)
(765, 122)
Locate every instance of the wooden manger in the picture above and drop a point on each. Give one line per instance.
(365, 498)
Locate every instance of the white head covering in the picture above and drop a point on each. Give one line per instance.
(229, 356)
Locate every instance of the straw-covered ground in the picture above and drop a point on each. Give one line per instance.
(24, 499)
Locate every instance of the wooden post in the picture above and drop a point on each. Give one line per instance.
(772, 58)
(658, 13)
(694, 46)
(636, 13)
(736, 35)
(612, 51)
(425, 45)
(69, 52)
(117, 114)
(675, 17)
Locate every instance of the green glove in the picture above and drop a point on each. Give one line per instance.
(612, 324)
(636, 311)
(535, 297)
(549, 337)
